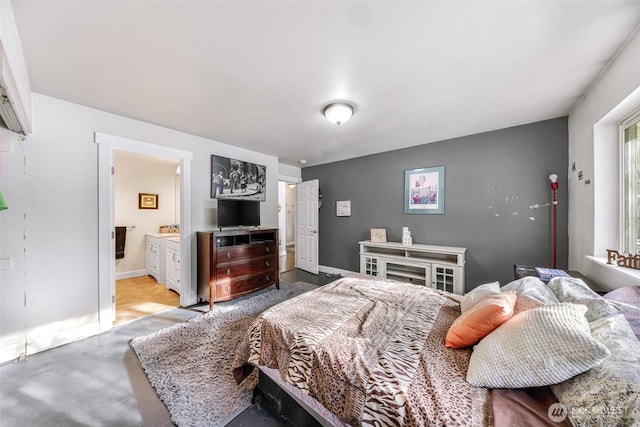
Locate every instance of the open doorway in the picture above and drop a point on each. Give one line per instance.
(107, 145)
(287, 225)
(145, 235)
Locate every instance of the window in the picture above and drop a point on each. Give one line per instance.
(631, 184)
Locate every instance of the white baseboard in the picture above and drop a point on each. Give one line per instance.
(44, 338)
(12, 351)
(130, 274)
(331, 270)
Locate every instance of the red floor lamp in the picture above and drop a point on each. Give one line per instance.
(554, 187)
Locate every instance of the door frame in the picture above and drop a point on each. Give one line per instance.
(281, 204)
(106, 219)
(308, 208)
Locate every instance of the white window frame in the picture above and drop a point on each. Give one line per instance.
(624, 124)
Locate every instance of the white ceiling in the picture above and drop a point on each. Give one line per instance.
(256, 74)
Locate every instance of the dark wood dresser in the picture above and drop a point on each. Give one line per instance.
(233, 263)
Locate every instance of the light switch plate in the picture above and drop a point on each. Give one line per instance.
(5, 263)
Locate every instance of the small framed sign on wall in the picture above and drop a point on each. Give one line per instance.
(147, 201)
(343, 208)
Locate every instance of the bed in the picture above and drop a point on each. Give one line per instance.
(369, 351)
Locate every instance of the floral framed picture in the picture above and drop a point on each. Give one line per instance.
(147, 201)
(424, 190)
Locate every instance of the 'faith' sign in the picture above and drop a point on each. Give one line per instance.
(629, 260)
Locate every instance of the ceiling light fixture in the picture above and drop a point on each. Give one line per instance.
(338, 112)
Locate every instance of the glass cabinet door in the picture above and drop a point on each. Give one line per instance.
(371, 266)
(443, 278)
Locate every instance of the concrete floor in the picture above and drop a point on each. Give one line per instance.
(98, 381)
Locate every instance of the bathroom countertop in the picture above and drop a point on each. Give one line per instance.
(163, 234)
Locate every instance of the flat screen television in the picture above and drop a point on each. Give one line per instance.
(238, 213)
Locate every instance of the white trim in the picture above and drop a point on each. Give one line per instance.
(286, 178)
(126, 144)
(15, 349)
(624, 124)
(332, 270)
(609, 276)
(621, 185)
(129, 274)
(189, 288)
(634, 117)
(65, 335)
(106, 251)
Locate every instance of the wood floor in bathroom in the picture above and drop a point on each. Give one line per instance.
(141, 296)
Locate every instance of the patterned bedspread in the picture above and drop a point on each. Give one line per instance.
(372, 352)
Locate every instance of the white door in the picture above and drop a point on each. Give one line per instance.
(307, 226)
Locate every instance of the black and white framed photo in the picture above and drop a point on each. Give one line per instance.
(238, 180)
(424, 190)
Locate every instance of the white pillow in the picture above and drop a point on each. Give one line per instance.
(532, 287)
(479, 293)
(537, 347)
(608, 394)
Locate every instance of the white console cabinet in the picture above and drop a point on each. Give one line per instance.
(439, 267)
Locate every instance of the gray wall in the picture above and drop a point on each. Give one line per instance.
(492, 181)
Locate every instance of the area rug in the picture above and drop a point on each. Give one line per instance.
(189, 364)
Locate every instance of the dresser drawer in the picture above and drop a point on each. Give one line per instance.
(226, 289)
(237, 253)
(244, 268)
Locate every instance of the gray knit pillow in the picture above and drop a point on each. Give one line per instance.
(609, 394)
(538, 347)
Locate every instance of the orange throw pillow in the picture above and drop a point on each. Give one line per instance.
(481, 320)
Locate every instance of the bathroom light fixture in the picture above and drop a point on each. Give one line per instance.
(338, 112)
(3, 202)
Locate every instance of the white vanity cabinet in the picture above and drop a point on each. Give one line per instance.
(439, 267)
(173, 258)
(155, 257)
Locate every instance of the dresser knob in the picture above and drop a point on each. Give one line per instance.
(228, 271)
(228, 254)
(267, 248)
(267, 262)
(228, 288)
(267, 278)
